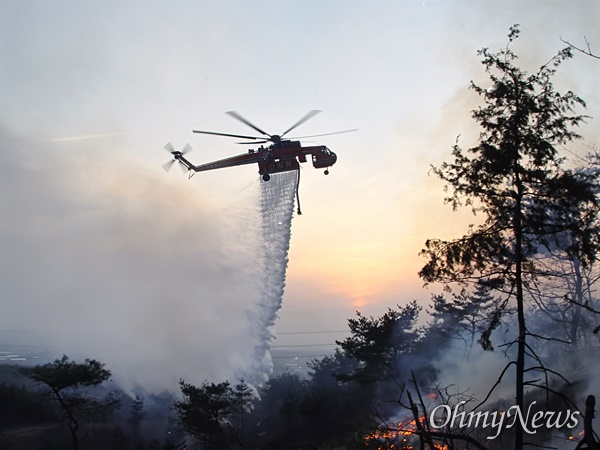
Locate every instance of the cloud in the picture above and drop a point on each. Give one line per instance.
(85, 137)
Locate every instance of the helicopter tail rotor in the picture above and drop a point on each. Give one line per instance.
(176, 156)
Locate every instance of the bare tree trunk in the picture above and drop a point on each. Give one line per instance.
(579, 299)
(520, 358)
(588, 432)
(518, 232)
(73, 422)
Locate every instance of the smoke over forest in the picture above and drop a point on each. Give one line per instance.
(443, 351)
(150, 304)
(137, 272)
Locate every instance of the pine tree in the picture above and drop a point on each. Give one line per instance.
(517, 181)
(204, 410)
(67, 382)
(465, 316)
(136, 415)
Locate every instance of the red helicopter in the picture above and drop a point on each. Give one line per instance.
(282, 155)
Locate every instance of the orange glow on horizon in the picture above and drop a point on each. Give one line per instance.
(362, 276)
(359, 302)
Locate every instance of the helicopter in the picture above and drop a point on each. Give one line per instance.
(281, 155)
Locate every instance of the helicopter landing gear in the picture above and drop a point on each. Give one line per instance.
(326, 172)
(266, 177)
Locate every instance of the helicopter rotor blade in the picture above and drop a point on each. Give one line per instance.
(186, 149)
(245, 121)
(226, 134)
(326, 134)
(307, 116)
(169, 147)
(167, 166)
(252, 143)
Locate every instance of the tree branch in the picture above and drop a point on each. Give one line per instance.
(581, 50)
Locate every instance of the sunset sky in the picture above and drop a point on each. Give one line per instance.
(101, 247)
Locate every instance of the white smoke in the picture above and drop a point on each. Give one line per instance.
(159, 278)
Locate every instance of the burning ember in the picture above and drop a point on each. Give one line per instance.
(580, 435)
(402, 436)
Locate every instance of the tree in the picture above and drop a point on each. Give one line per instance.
(566, 299)
(586, 51)
(241, 403)
(378, 344)
(464, 316)
(204, 410)
(517, 181)
(335, 409)
(67, 382)
(136, 415)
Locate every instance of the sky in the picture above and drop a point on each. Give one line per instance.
(105, 255)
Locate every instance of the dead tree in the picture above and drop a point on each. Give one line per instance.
(589, 441)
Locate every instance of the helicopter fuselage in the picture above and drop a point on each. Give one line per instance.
(279, 157)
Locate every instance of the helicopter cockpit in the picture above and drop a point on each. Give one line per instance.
(323, 158)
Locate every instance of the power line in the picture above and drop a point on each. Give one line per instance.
(15, 331)
(23, 345)
(283, 333)
(303, 345)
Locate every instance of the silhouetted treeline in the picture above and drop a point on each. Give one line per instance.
(386, 377)
(341, 400)
(32, 418)
(354, 398)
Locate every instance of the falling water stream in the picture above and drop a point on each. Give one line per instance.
(276, 211)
